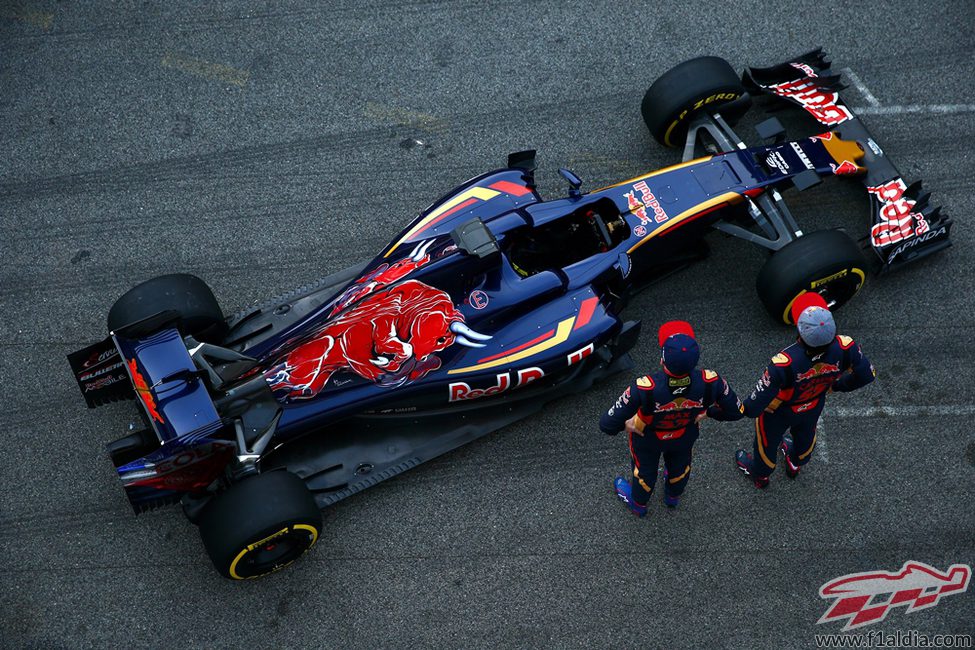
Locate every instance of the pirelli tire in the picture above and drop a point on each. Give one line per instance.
(707, 83)
(187, 295)
(260, 525)
(828, 262)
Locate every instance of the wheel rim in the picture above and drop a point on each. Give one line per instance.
(836, 289)
(273, 552)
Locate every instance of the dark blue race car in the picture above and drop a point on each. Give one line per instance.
(489, 304)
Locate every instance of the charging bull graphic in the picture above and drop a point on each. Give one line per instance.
(390, 338)
(383, 276)
(865, 598)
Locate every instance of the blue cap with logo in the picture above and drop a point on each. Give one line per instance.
(678, 349)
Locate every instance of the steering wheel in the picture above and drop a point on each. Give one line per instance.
(601, 229)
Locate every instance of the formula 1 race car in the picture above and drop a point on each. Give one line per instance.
(489, 304)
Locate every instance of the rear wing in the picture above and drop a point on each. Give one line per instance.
(904, 225)
(158, 370)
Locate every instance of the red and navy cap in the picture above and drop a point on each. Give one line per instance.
(678, 349)
(813, 320)
(805, 300)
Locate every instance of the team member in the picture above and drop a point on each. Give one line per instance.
(792, 391)
(661, 412)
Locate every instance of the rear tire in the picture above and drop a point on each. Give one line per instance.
(199, 312)
(706, 83)
(826, 261)
(260, 525)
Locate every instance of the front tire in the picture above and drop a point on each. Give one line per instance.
(707, 83)
(260, 525)
(826, 261)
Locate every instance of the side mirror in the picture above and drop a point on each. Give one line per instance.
(574, 182)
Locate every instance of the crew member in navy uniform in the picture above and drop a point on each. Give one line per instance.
(660, 413)
(791, 393)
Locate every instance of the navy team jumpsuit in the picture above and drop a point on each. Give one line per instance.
(665, 408)
(791, 394)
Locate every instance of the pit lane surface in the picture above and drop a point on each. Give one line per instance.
(263, 148)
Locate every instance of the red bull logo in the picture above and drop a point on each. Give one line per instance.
(390, 337)
(142, 390)
(647, 201)
(866, 598)
(383, 276)
(817, 370)
(679, 404)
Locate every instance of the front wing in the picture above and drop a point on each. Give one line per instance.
(905, 225)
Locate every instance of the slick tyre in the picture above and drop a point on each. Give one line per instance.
(260, 525)
(187, 295)
(707, 83)
(826, 261)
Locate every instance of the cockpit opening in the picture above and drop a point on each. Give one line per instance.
(590, 230)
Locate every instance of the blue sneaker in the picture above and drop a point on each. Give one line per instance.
(624, 492)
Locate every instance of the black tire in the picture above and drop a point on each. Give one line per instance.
(200, 314)
(826, 261)
(260, 525)
(704, 83)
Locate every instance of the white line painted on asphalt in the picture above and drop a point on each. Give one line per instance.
(862, 87)
(821, 449)
(921, 410)
(915, 108)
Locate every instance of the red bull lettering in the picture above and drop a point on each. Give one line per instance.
(646, 201)
(461, 390)
(899, 221)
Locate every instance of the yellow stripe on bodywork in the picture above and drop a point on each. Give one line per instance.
(727, 197)
(561, 336)
(657, 172)
(482, 193)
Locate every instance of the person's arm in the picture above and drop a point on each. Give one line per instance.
(727, 406)
(861, 371)
(614, 420)
(765, 390)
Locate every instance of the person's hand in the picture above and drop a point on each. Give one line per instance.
(700, 417)
(631, 426)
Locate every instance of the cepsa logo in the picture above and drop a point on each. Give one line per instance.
(461, 390)
(865, 598)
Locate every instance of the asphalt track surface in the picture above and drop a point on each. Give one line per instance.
(264, 146)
